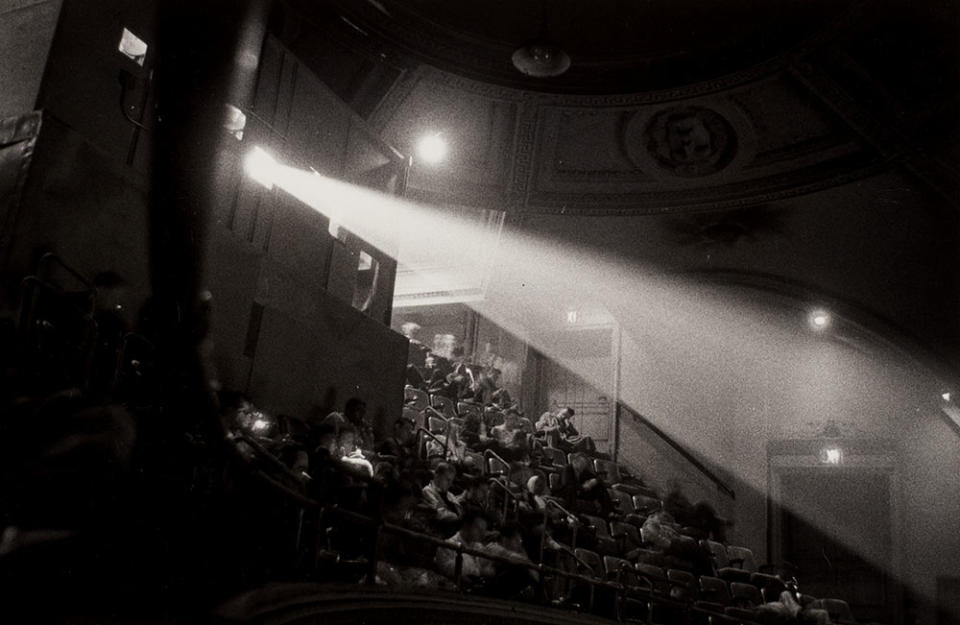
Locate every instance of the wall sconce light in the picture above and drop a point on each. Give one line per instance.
(831, 455)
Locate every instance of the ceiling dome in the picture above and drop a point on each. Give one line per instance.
(616, 46)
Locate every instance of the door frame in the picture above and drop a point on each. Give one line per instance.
(879, 456)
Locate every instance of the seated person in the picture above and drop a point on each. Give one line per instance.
(559, 432)
(511, 440)
(438, 385)
(353, 415)
(351, 457)
(436, 496)
(328, 479)
(677, 551)
(473, 526)
(401, 443)
(501, 397)
(450, 447)
(535, 495)
(486, 386)
(703, 518)
(583, 490)
(505, 579)
(415, 379)
(476, 495)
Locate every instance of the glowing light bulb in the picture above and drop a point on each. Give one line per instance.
(261, 166)
(260, 424)
(432, 148)
(946, 396)
(819, 319)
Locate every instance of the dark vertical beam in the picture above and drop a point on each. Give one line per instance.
(207, 57)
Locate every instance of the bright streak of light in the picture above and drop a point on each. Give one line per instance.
(701, 348)
(261, 167)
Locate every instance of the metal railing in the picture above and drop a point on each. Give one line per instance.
(683, 451)
(620, 590)
(423, 433)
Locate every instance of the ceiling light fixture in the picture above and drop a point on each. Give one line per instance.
(540, 57)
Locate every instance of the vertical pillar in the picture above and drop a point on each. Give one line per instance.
(207, 57)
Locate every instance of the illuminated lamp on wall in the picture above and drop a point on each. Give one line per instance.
(819, 320)
(573, 316)
(831, 455)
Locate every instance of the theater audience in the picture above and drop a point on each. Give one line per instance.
(473, 527)
(661, 531)
(486, 386)
(448, 446)
(510, 438)
(476, 495)
(506, 579)
(336, 464)
(353, 415)
(558, 432)
(351, 456)
(583, 490)
(401, 444)
(437, 497)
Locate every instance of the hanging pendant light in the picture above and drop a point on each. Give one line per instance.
(540, 57)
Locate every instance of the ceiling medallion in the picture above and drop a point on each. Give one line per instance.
(690, 141)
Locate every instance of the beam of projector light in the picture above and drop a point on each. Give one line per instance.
(261, 166)
(676, 327)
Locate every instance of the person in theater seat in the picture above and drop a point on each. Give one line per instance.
(510, 438)
(473, 568)
(351, 456)
(583, 490)
(401, 443)
(437, 497)
(558, 431)
(504, 579)
(353, 415)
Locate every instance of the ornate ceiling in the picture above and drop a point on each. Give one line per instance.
(617, 46)
(827, 152)
(822, 102)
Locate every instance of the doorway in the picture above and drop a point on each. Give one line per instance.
(837, 526)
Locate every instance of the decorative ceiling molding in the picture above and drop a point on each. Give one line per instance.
(384, 113)
(708, 199)
(690, 140)
(525, 143)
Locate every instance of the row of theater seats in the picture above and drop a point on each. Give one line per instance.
(731, 594)
(723, 600)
